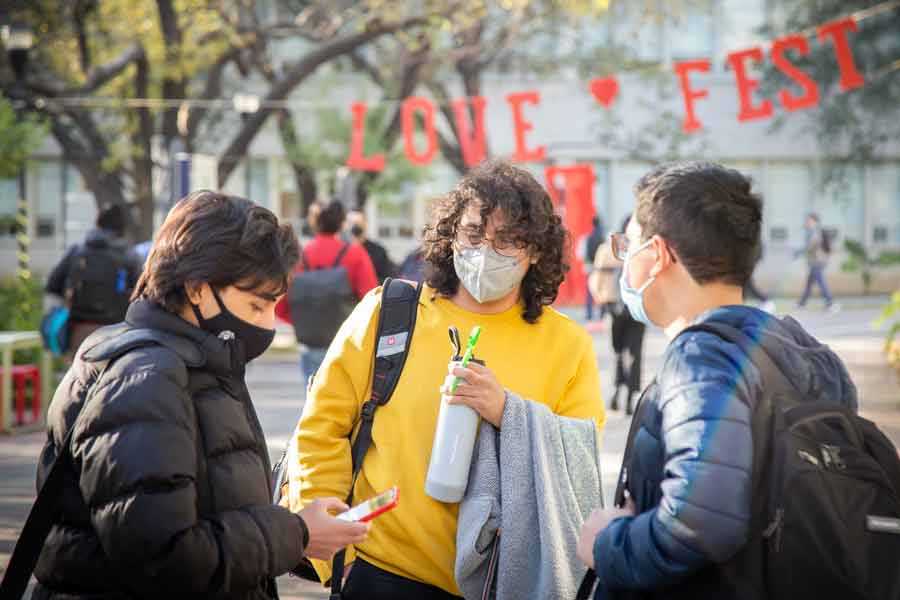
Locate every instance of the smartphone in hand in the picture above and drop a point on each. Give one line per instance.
(372, 507)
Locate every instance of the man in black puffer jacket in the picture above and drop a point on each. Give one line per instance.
(169, 491)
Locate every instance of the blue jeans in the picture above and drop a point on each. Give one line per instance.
(310, 361)
(816, 276)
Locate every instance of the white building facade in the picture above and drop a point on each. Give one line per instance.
(786, 164)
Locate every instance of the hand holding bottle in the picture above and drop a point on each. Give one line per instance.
(479, 390)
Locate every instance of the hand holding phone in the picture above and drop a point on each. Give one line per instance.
(328, 534)
(372, 507)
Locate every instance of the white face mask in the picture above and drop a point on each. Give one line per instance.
(487, 274)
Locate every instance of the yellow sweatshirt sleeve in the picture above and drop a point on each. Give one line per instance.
(319, 463)
(582, 398)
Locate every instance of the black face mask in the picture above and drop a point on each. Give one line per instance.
(254, 339)
(356, 230)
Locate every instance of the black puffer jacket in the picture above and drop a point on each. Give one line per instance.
(169, 495)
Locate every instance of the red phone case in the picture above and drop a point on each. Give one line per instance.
(384, 508)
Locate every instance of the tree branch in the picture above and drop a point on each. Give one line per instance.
(212, 89)
(451, 152)
(361, 64)
(173, 81)
(97, 78)
(295, 75)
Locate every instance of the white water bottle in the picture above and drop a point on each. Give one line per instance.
(451, 453)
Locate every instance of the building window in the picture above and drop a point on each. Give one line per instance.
(638, 30)
(883, 199)
(740, 23)
(257, 181)
(778, 234)
(787, 200)
(48, 197)
(690, 31)
(840, 204)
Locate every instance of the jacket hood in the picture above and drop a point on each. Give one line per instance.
(811, 366)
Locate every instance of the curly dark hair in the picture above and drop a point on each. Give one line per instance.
(531, 224)
(209, 237)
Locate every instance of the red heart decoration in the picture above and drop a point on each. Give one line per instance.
(605, 90)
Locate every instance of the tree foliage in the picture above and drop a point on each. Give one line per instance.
(92, 60)
(857, 124)
(19, 137)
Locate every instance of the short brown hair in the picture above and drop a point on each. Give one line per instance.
(220, 240)
(708, 215)
(533, 224)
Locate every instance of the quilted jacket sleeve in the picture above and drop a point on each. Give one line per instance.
(136, 449)
(704, 508)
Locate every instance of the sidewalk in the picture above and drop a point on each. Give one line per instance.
(275, 383)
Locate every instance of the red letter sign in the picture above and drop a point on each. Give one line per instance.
(522, 127)
(746, 85)
(408, 120)
(690, 122)
(356, 160)
(811, 92)
(472, 146)
(850, 77)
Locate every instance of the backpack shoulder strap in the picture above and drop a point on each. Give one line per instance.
(755, 352)
(340, 256)
(75, 274)
(393, 338)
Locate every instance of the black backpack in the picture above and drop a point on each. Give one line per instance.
(321, 299)
(396, 323)
(98, 289)
(825, 509)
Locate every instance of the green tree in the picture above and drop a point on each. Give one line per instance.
(19, 137)
(92, 59)
(855, 125)
(859, 260)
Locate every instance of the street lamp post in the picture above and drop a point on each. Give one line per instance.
(18, 41)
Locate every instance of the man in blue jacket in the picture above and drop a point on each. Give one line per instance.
(688, 251)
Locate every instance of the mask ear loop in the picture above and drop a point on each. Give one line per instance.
(219, 300)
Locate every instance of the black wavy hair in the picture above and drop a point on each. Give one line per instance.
(531, 223)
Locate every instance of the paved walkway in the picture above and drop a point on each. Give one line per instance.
(277, 390)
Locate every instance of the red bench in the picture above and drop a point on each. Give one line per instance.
(20, 375)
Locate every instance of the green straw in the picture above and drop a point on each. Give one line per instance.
(470, 349)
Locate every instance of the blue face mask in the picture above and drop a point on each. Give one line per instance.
(634, 298)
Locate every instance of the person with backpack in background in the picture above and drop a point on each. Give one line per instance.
(627, 334)
(719, 463)
(358, 228)
(817, 252)
(496, 251)
(155, 456)
(95, 278)
(332, 277)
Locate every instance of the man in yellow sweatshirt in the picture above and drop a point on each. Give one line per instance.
(496, 252)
